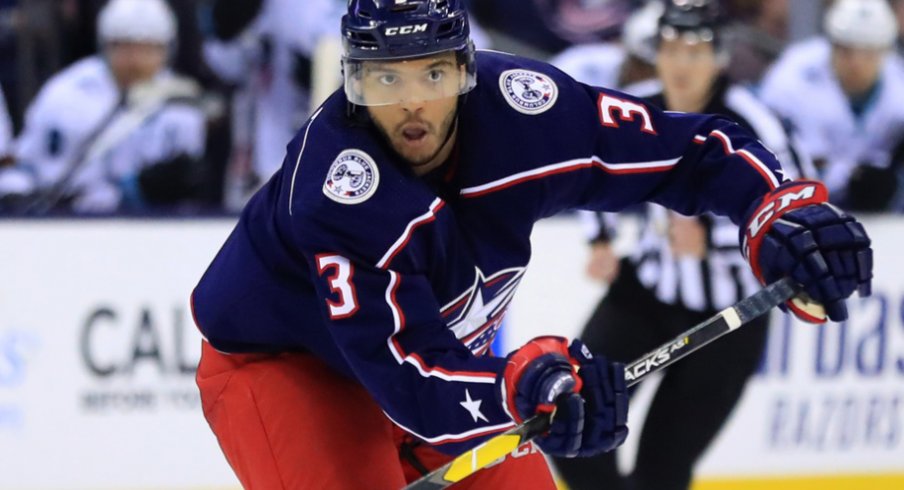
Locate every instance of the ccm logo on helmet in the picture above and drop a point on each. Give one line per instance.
(403, 30)
(782, 202)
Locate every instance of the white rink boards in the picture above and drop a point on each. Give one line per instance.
(97, 351)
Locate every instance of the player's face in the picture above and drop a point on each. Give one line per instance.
(857, 69)
(417, 127)
(133, 63)
(687, 70)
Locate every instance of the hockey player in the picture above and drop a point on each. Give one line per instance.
(682, 271)
(348, 315)
(843, 94)
(112, 132)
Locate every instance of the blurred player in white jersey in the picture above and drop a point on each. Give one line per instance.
(617, 65)
(843, 93)
(683, 270)
(116, 131)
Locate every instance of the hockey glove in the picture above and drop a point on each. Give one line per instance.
(586, 396)
(795, 232)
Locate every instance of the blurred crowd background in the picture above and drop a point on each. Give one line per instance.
(184, 107)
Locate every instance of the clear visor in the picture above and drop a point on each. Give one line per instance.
(378, 82)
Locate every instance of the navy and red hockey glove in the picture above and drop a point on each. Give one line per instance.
(795, 232)
(586, 396)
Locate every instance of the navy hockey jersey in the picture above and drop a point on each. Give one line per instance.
(401, 282)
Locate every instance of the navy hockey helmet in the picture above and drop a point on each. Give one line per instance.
(692, 20)
(384, 31)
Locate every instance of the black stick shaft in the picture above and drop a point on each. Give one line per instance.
(711, 329)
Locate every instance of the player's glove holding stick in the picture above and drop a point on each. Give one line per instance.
(586, 395)
(795, 232)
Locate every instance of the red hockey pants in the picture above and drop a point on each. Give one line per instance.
(288, 421)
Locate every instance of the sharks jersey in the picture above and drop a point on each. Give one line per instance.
(803, 88)
(401, 281)
(80, 108)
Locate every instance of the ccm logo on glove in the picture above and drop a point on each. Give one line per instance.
(795, 232)
(789, 199)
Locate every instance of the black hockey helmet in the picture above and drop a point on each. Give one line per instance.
(399, 30)
(693, 20)
(394, 29)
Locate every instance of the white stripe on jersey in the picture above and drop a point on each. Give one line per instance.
(556, 168)
(400, 242)
(396, 315)
(455, 437)
(304, 143)
(750, 157)
(424, 370)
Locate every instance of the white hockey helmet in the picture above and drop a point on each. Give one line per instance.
(640, 31)
(862, 24)
(149, 21)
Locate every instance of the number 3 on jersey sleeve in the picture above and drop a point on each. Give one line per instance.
(626, 111)
(340, 281)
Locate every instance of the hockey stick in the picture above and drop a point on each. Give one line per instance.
(711, 329)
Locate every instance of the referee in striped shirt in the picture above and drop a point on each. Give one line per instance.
(683, 270)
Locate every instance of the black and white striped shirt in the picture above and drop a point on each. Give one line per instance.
(723, 276)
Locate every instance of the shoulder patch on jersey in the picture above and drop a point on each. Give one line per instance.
(528, 92)
(352, 179)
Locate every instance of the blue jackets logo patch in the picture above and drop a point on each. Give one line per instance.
(476, 315)
(352, 179)
(528, 92)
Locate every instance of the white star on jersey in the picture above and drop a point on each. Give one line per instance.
(473, 407)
